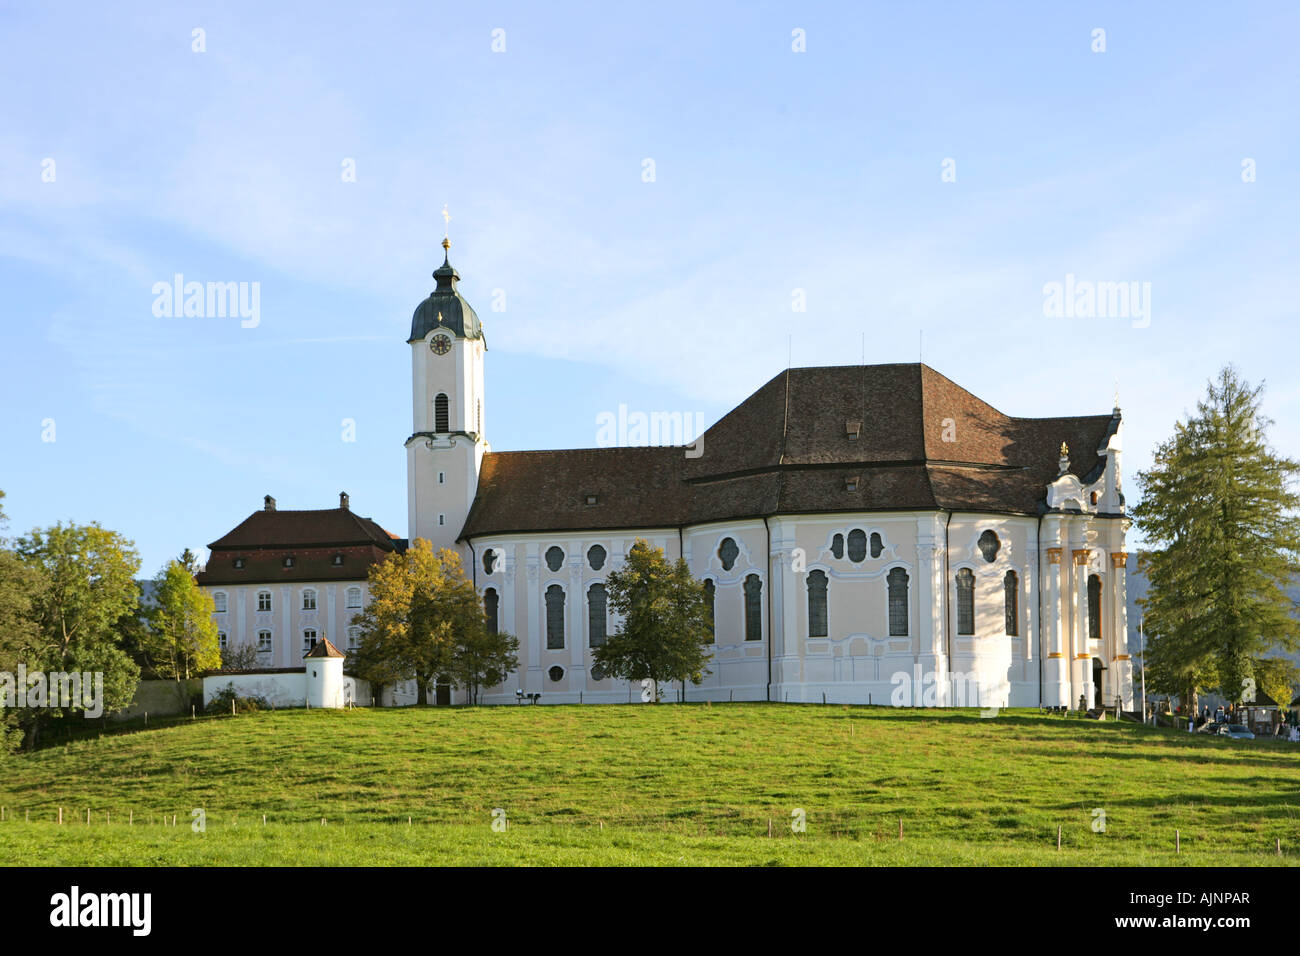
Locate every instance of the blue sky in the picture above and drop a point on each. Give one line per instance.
(774, 171)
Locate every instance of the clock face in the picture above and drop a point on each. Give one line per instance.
(440, 344)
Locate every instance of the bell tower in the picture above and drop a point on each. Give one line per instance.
(446, 447)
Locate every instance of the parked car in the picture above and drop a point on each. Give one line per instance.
(1236, 731)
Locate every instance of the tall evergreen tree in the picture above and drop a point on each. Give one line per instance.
(1218, 510)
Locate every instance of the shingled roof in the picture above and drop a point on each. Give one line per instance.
(325, 544)
(924, 443)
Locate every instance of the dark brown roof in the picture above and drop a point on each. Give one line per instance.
(313, 538)
(323, 648)
(924, 443)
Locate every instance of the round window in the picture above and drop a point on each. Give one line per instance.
(556, 673)
(597, 672)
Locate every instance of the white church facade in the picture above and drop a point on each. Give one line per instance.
(866, 534)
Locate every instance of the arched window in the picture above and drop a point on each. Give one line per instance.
(219, 602)
(596, 614)
(554, 558)
(441, 415)
(965, 601)
(753, 608)
(1094, 608)
(989, 545)
(727, 553)
(555, 618)
(353, 597)
(857, 545)
(309, 600)
(596, 557)
(876, 544)
(490, 602)
(1011, 598)
(264, 600)
(489, 561)
(896, 584)
(817, 604)
(709, 593)
(837, 546)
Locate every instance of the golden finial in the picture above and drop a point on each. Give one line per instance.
(1065, 450)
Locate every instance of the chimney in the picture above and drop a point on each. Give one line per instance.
(268, 503)
(343, 500)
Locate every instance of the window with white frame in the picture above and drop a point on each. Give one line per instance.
(308, 638)
(221, 640)
(264, 600)
(309, 600)
(354, 638)
(354, 597)
(219, 602)
(264, 642)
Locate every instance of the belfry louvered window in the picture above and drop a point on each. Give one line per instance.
(441, 414)
(896, 584)
(753, 608)
(817, 604)
(965, 601)
(555, 618)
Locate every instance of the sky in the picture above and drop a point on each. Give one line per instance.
(652, 206)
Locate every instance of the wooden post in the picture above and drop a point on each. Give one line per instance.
(769, 826)
(1279, 846)
(602, 825)
(60, 816)
(900, 828)
(264, 819)
(131, 819)
(1178, 842)
(1058, 837)
(322, 821)
(173, 819)
(191, 711)
(27, 816)
(146, 718)
(108, 816)
(87, 816)
(232, 707)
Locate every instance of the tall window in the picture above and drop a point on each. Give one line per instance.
(555, 618)
(596, 600)
(309, 600)
(354, 639)
(817, 604)
(308, 638)
(264, 642)
(1094, 608)
(221, 640)
(441, 416)
(1011, 598)
(710, 588)
(965, 601)
(489, 561)
(753, 608)
(354, 597)
(727, 553)
(837, 546)
(896, 584)
(264, 600)
(876, 544)
(490, 602)
(219, 602)
(857, 545)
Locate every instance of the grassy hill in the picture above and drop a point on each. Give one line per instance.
(639, 784)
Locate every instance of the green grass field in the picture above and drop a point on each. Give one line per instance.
(627, 785)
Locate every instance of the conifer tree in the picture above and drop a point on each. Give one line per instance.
(1218, 511)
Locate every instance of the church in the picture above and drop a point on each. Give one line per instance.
(865, 534)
